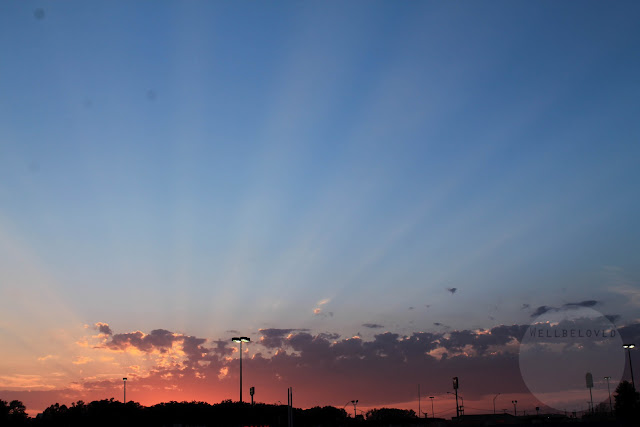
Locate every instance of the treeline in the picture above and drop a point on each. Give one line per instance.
(110, 412)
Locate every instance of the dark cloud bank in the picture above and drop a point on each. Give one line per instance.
(323, 368)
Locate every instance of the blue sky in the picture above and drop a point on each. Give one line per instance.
(207, 166)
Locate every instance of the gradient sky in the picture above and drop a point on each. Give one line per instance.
(305, 173)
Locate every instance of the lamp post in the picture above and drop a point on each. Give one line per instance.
(241, 340)
(629, 347)
(455, 388)
(515, 411)
(355, 412)
(609, 389)
(494, 403)
(124, 381)
(459, 408)
(433, 414)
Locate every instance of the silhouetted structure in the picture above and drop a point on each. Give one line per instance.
(110, 412)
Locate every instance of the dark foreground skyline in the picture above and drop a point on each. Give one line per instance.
(625, 412)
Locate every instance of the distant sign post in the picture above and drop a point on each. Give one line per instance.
(589, 379)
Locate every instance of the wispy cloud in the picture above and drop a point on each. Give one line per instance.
(47, 357)
(372, 325)
(81, 360)
(631, 293)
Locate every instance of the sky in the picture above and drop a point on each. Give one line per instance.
(379, 194)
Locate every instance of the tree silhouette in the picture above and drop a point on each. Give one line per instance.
(627, 405)
(13, 413)
(386, 416)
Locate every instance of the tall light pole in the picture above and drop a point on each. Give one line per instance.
(241, 340)
(494, 403)
(629, 347)
(355, 412)
(433, 414)
(124, 381)
(455, 387)
(515, 411)
(609, 389)
(459, 408)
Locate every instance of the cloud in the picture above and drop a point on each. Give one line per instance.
(452, 290)
(525, 306)
(613, 318)
(222, 348)
(587, 303)
(630, 333)
(158, 339)
(163, 342)
(81, 360)
(372, 325)
(631, 293)
(317, 311)
(274, 337)
(103, 328)
(570, 305)
(541, 310)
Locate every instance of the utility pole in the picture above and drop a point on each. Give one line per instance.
(290, 406)
(455, 387)
(609, 389)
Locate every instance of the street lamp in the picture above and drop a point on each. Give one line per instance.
(241, 340)
(629, 347)
(515, 412)
(609, 389)
(459, 408)
(456, 384)
(355, 413)
(433, 414)
(494, 403)
(124, 381)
